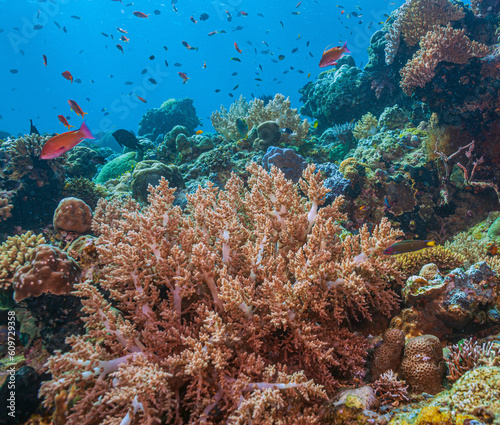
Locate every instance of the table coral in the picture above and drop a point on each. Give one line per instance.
(232, 311)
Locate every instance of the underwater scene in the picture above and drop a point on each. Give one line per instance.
(250, 212)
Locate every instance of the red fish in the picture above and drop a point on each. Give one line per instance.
(140, 14)
(76, 108)
(64, 121)
(121, 30)
(330, 56)
(67, 75)
(184, 77)
(44, 60)
(212, 33)
(142, 99)
(237, 48)
(62, 143)
(125, 39)
(243, 13)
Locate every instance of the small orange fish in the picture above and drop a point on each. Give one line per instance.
(142, 99)
(64, 121)
(204, 65)
(76, 108)
(140, 14)
(67, 75)
(194, 21)
(330, 56)
(243, 13)
(44, 60)
(237, 48)
(184, 77)
(125, 39)
(62, 143)
(199, 132)
(122, 30)
(212, 33)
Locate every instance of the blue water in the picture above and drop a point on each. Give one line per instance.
(41, 93)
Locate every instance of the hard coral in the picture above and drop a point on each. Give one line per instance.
(441, 44)
(243, 299)
(423, 365)
(15, 252)
(365, 127)
(72, 215)
(257, 112)
(444, 258)
(390, 390)
(5, 208)
(50, 270)
(388, 354)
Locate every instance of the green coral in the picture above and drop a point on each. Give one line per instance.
(116, 167)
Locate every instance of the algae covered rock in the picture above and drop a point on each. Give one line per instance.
(173, 112)
(116, 167)
(268, 134)
(393, 118)
(149, 173)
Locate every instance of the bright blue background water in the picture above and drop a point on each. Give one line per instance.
(41, 93)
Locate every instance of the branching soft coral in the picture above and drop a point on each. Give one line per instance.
(236, 309)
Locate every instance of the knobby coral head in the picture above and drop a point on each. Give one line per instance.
(234, 310)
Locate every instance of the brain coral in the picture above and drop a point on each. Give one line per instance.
(49, 271)
(387, 355)
(423, 366)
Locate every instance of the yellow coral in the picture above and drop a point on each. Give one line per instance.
(445, 258)
(365, 127)
(254, 113)
(15, 252)
(351, 168)
(5, 208)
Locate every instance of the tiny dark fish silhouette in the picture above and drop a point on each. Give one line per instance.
(204, 17)
(128, 83)
(14, 71)
(33, 129)
(156, 12)
(153, 81)
(38, 27)
(152, 57)
(144, 71)
(75, 17)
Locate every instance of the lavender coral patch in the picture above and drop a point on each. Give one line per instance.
(287, 160)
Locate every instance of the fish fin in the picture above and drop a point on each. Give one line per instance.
(431, 243)
(328, 47)
(345, 49)
(86, 132)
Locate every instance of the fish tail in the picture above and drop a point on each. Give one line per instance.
(345, 49)
(431, 243)
(87, 134)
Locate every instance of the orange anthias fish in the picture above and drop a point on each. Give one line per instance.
(64, 121)
(237, 48)
(142, 99)
(330, 56)
(76, 108)
(67, 75)
(140, 14)
(44, 60)
(184, 77)
(62, 143)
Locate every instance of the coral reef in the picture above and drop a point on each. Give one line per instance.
(366, 126)
(84, 189)
(443, 44)
(161, 120)
(250, 289)
(116, 167)
(256, 112)
(149, 173)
